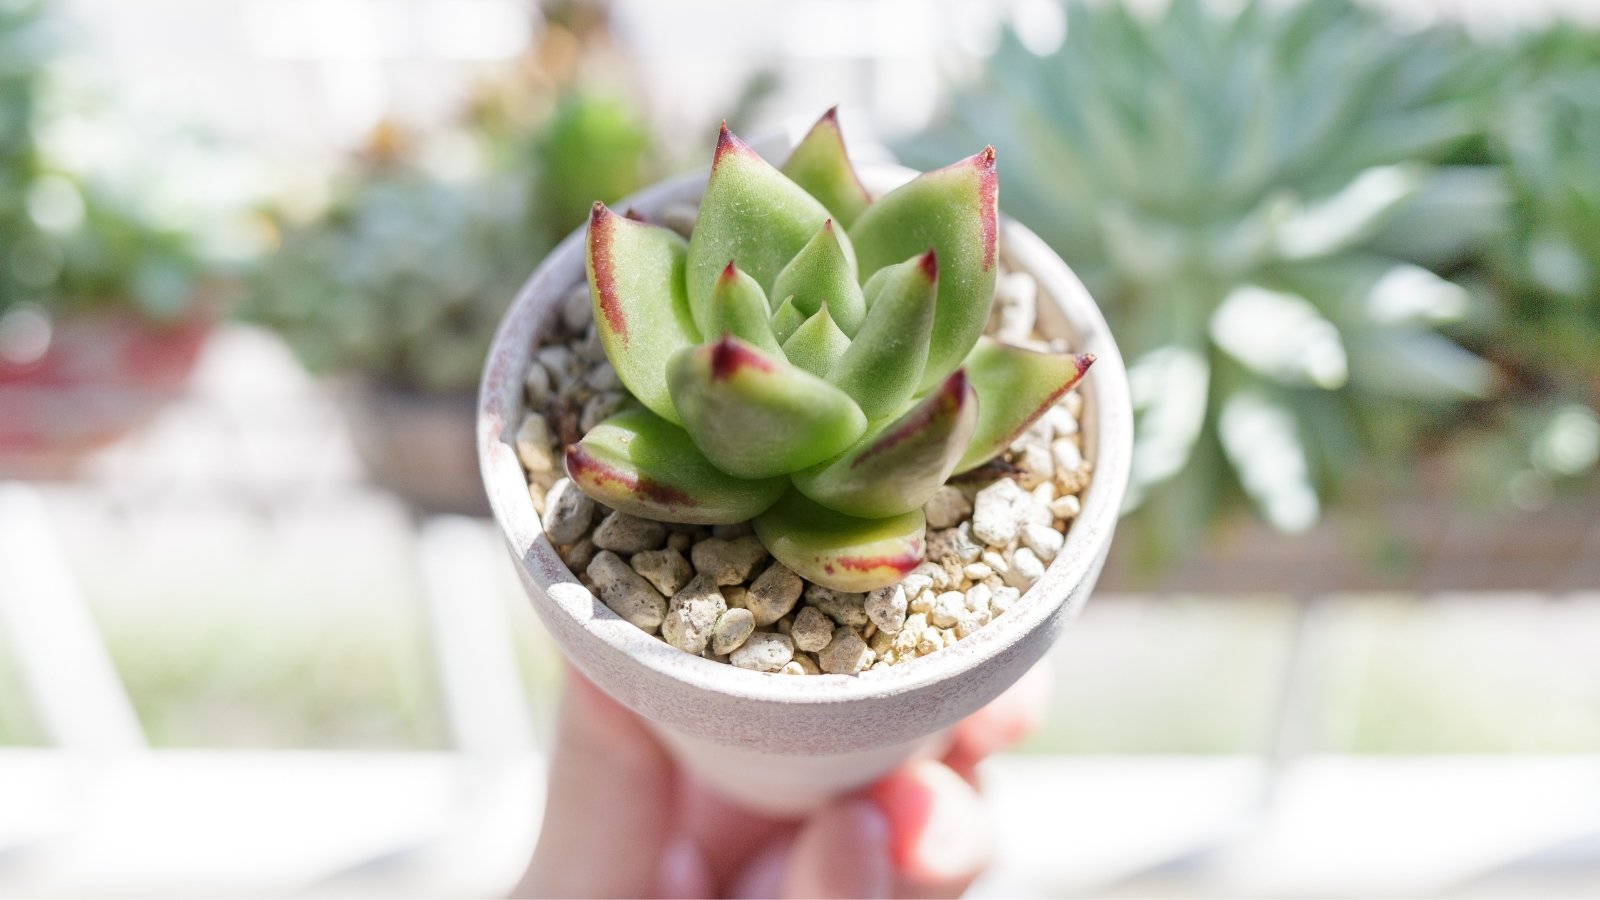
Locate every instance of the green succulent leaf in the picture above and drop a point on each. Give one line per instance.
(752, 214)
(646, 466)
(900, 463)
(1015, 386)
(841, 552)
(820, 164)
(642, 315)
(953, 210)
(821, 273)
(738, 307)
(754, 415)
(884, 364)
(817, 344)
(786, 320)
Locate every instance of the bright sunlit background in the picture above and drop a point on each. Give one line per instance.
(256, 636)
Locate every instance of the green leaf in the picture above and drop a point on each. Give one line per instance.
(786, 320)
(738, 307)
(899, 464)
(817, 344)
(642, 315)
(953, 210)
(884, 364)
(821, 273)
(752, 215)
(646, 466)
(837, 551)
(755, 415)
(1015, 387)
(820, 165)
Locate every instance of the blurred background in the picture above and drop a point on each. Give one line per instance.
(256, 636)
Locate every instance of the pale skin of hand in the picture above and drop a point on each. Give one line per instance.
(622, 820)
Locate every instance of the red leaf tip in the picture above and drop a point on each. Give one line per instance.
(729, 355)
(930, 265)
(827, 224)
(832, 115)
(1084, 361)
(985, 157)
(728, 142)
(729, 272)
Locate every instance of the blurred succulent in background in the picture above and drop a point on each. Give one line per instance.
(1256, 200)
(405, 274)
(809, 358)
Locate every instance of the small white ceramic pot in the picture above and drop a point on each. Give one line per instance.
(785, 743)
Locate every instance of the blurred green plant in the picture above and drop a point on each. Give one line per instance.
(1261, 203)
(68, 242)
(404, 276)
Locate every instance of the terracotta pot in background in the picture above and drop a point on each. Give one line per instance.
(787, 743)
(418, 445)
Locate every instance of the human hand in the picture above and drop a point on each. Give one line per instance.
(623, 820)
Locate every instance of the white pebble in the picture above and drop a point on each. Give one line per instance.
(629, 534)
(626, 592)
(692, 615)
(846, 653)
(764, 651)
(886, 607)
(999, 512)
(1036, 466)
(533, 444)
(1066, 507)
(577, 310)
(537, 386)
(1003, 599)
(599, 408)
(947, 608)
(567, 512)
(729, 562)
(1043, 540)
(732, 629)
(774, 593)
(946, 507)
(844, 607)
(1025, 569)
(666, 569)
(812, 630)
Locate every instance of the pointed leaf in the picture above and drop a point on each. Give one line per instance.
(837, 551)
(640, 310)
(738, 307)
(755, 415)
(752, 215)
(1015, 387)
(954, 211)
(820, 273)
(874, 286)
(817, 345)
(820, 165)
(787, 320)
(885, 361)
(900, 463)
(645, 466)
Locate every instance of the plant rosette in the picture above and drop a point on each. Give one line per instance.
(844, 482)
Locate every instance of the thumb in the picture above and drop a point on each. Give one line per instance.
(842, 851)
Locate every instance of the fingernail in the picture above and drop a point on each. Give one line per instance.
(682, 871)
(938, 828)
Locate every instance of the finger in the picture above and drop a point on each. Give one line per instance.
(939, 832)
(608, 807)
(842, 851)
(683, 872)
(728, 835)
(1001, 724)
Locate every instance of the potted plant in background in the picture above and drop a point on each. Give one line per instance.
(102, 312)
(758, 391)
(398, 284)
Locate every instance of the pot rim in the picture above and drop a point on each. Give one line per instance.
(1106, 422)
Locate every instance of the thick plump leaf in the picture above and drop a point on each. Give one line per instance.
(738, 307)
(640, 310)
(821, 273)
(817, 344)
(954, 211)
(899, 464)
(645, 466)
(752, 215)
(786, 320)
(1015, 387)
(884, 364)
(837, 551)
(820, 165)
(755, 415)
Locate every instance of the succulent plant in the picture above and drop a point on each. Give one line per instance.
(809, 358)
(1258, 199)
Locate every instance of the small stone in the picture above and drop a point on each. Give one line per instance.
(1017, 305)
(967, 624)
(952, 545)
(1044, 541)
(999, 512)
(629, 534)
(735, 595)
(567, 512)
(947, 507)
(978, 598)
(536, 385)
(996, 562)
(844, 607)
(845, 654)
(764, 651)
(931, 640)
(905, 643)
(934, 574)
(679, 541)
(559, 362)
(977, 571)
(1003, 599)
(785, 625)
(792, 668)
(732, 629)
(1061, 422)
(533, 444)
(626, 592)
(947, 608)
(729, 562)
(692, 615)
(881, 643)
(1073, 404)
(1071, 469)
(1066, 507)
(923, 602)
(577, 310)
(666, 569)
(774, 593)
(602, 377)
(806, 662)
(600, 407)
(1025, 569)
(729, 532)
(886, 607)
(536, 496)
(812, 630)
(1036, 466)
